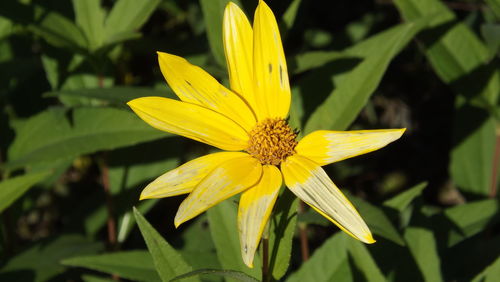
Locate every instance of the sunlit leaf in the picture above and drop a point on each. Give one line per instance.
(359, 79)
(235, 275)
(472, 218)
(51, 135)
(167, 261)
(127, 16)
(325, 263)
(364, 261)
(12, 189)
(401, 201)
(41, 262)
(377, 220)
(222, 220)
(90, 18)
(134, 265)
(422, 246)
(281, 230)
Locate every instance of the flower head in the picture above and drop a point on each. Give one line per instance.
(249, 123)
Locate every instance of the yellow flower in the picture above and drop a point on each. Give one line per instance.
(249, 122)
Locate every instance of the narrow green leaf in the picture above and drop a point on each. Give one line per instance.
(281, 230)
(12, 189)
(352, 89)
(134, 265)
(118, 95)
(90, 18)
(364, 261)
(325, 262)
(314, 59)
(461, 60)
(491, 34)
(59, 31)
(472, 218)
(50, 136)
(377, 220)
(401, 201)
(41, 262)
(422, 246)
(213, 13)
(490, 274)
(472, 158)
(167, 261)
(128, 16)
(222, 219)
(236, 275)
(291, 13)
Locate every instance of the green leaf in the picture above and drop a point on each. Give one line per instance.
(41, 262)
(377, 220)
(59, 31)
(222, 220)
(472, 218)
(364, 261)
(13, 188)
(128, 16)
(197, 245)
(167, 261)
(491, 34)
(422, 246)
(352, 89)
(490, 274)
(213, 13)
(236, 275)
(291, 13)
(460, 59)
(90, 18)
(50, 136)
(281, 230)
(118, 95)
(495, 6)
(401, 201)
(325, 262)
(314, 59)
(134, 265)
(472, 158)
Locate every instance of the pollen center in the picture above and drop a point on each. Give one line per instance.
(272, 141)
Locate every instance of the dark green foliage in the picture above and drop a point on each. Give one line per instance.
(74, 158)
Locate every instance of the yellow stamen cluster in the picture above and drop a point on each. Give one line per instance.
(272, 141)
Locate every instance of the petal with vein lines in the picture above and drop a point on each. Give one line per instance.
(192, 121)
(228, 179)
(272, 89)
(325, 147)
(183, 179)
(193, 85)
(254, 210)
(308, 181)
(238, 47)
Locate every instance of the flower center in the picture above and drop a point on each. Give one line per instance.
(272, 141)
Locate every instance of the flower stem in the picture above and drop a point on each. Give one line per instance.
(111, 221)
(304, 244)
(265, 254)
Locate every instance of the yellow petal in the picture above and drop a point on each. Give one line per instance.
(238, 47)
(183, 179)
(325, 147)
(191, 121)
(193, 85)
(272, 89)
(308, 181)
(254, 210)
(228, 179)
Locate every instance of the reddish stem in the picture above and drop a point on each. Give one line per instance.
(494, 173)
(304, 244)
